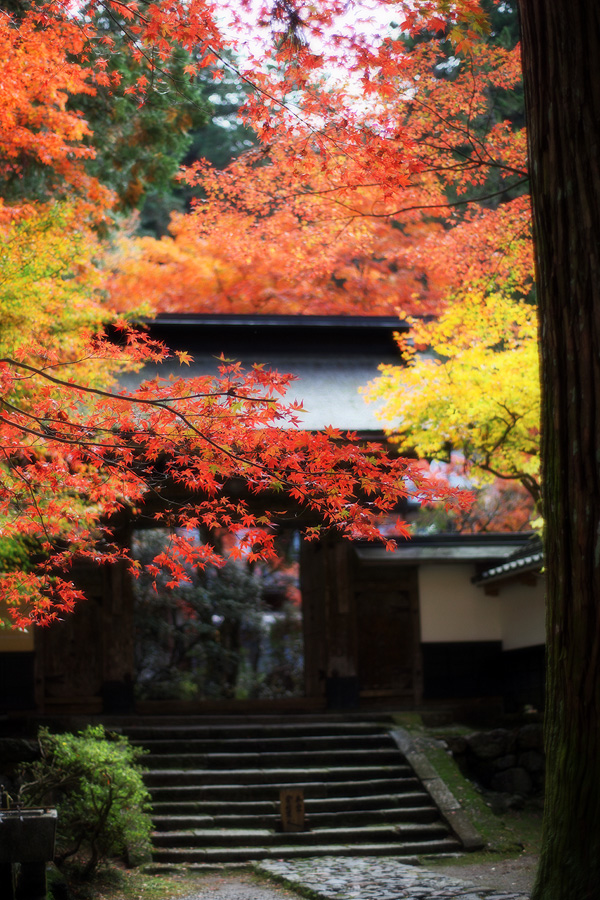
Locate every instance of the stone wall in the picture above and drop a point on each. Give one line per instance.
(506, 761)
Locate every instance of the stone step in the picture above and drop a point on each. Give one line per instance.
(379, 719)
(303, 759)
(400, 851)
(206, 777)
(215, 790)
(219, 732)
(410, 799)
(262, 837)
(316, 789)
(271, 820)
(269, 745)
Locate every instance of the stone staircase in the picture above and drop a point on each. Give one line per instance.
(215, 786)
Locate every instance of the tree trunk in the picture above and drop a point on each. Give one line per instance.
(561, 54)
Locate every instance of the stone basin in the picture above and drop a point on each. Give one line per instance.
(27, 835)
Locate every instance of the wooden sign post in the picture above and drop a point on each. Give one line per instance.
(291, 802)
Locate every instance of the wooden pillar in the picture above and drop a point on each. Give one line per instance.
(118, 637)
(312, 587)
(84, 663)
(69, 651)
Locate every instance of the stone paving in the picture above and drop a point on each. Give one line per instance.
(374, 878)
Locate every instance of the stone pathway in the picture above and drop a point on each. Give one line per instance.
(242, 887)
(371, 878)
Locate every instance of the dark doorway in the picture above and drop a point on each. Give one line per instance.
(229, 633)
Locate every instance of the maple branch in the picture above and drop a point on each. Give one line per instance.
(30, 491)
(129, 398)
(90, 447)
(323, 134)
(478, 145)
(420, 206)
(139, 47)
(236, 457)
(530, 484)
(415, 208)
(504, 253)
(469, 163)
(46, 434)
(509, 426)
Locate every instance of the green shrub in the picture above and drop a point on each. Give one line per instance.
(95, 781)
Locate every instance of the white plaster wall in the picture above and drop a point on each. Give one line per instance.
(453, 609)
(523, 614)
(330, 390)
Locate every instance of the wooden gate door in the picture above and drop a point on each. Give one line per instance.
(387, 610)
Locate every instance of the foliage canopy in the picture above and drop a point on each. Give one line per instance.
(349, 191)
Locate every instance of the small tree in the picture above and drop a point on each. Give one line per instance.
(95, 781)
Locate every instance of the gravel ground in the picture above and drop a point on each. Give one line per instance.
(240, 887)
(508, 875)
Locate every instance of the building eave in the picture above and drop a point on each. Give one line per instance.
(455, 548)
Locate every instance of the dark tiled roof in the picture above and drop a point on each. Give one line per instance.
(489, 549)
(310, 336)
(529, 558)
